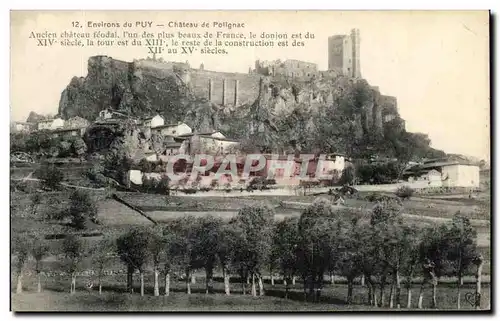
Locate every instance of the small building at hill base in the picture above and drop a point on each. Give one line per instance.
(444, 173)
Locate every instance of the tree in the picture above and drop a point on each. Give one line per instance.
(73, 250)
(39, 250)
(412, 239)
(226, 252)
(36, 200)
(182, 246)
(133, 250)
(369, 261)
(386, 224)
(82, 208)
(319, 230)
(21, 249)
(285, 244)
(157, 250)
(207, 238)
(51, 176)
(433, 251)
(169, 251)
(254, 223)
(350, 255)
(78, 147)
(461, 248)
(348, 176)
(101, 255)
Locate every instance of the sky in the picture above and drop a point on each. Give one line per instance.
(435, 63)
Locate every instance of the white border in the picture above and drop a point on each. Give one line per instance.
(185, 4)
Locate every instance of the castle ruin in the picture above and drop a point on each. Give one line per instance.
(344, 54)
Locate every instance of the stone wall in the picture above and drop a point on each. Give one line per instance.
(247, 86)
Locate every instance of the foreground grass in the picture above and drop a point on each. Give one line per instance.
(333, 299)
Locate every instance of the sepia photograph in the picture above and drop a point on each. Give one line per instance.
(250, 161)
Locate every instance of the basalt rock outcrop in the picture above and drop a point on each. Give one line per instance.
(284, 110)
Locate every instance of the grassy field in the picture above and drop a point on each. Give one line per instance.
(426, 206)
(117, 218)
(56, 297)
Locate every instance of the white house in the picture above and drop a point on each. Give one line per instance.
(154, 121)
(45, 124)
(218, 145)
(428, 178)
(57, 123)
(449, 174)
(51, 124)
(105, 114)
(21, 127)
(460, 175)
(178, 129)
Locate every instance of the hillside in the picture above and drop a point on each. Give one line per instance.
(328, 113)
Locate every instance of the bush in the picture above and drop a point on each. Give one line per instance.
(151, 185)
(145, 166)
(374, 197)
(405, 192)
(50, 175)
(82, 207)
(347, 177)
(95, 175)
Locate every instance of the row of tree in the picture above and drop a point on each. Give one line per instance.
(378, 248)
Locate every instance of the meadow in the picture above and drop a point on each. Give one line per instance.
(115, 218)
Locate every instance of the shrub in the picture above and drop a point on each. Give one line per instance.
(95, 175)
(145, 166)
(405, 192)
(82, 207)
(51, 176)
(374, 197)
(163, 185)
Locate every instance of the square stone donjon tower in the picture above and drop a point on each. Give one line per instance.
(344, 54)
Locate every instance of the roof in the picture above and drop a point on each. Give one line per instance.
(151, 117)
(108, 122)
(219, 138)
(169, 125)
(67, 129)
(170, 145)
(447, 163)
(44, 120)
(200, 134)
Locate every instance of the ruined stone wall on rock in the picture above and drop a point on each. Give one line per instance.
(389, 105)
(207, 83)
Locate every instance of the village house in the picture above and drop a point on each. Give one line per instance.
(105, 114)
(50, 124)
(172, 148)
(213, 143)
(76, 122)
(427, 178)
(446, 173)
(21, 127)
(178, 129)
(68, 132)
(153, 121)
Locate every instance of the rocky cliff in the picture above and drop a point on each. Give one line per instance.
(284, 110)
(176, 91)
